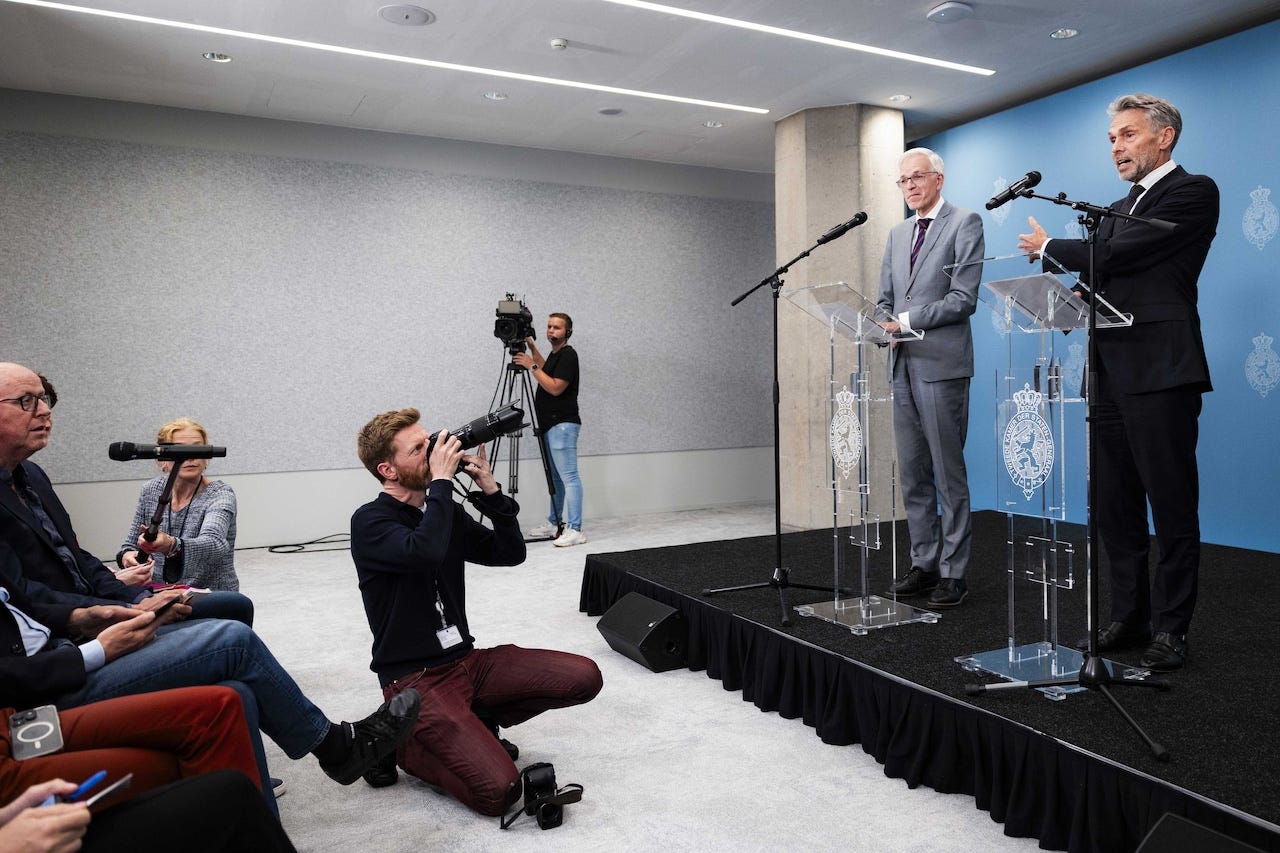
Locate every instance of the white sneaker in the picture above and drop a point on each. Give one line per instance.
(543, 531)
(570, 537)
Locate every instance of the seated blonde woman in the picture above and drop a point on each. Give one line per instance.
(197, 531)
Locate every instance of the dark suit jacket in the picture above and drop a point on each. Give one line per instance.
(26, 681)
(1153, 275)
(41, 565)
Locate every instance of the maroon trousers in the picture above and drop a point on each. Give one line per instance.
(453, 749)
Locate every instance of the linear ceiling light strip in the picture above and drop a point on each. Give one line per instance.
(796, 34)
(386, 57)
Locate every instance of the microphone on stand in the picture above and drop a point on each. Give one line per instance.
(843, 228)
(124, 451)
(1009, 193)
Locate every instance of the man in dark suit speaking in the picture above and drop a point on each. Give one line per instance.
(931, 375)
(1150, 378)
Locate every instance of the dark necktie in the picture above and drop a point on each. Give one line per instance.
(32, 500)
(1131, 200)
(922, 225)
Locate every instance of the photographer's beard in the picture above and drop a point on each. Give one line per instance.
(414, 481)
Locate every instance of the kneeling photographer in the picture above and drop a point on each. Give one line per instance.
(410, 546)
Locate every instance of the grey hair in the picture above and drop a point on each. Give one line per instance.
(934, 160)
(1160, 113)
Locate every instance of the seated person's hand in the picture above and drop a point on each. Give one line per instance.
(135, 572)
(179, 611)
(162, 544)
(91, 621)
(56, 828)
(124, 637)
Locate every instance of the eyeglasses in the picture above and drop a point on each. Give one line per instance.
(913, 179)
(30, 402)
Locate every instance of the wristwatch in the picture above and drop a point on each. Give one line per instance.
(177, 547)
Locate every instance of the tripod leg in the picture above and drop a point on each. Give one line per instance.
(1160, 753)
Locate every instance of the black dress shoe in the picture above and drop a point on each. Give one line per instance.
(1117, 637)
(917, 582)
(950, 592)
(1166, 652)
(383, 774)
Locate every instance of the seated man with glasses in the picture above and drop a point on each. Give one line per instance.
(55, 569)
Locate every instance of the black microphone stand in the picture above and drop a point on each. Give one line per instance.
(781, 578)
(166, 495)
(1094, 673)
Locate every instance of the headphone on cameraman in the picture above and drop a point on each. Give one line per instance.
(568, 324)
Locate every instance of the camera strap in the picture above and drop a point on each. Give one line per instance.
(570, 793)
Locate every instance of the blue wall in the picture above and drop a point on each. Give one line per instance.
(1229, 95)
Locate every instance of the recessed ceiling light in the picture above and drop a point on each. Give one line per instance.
(899, 99)
(949, 13)
(1064, 33)
(609, 111)
(712, 123)
(216, 57)
(496, 96)
(385, 57)
(559, 44)
(796, 34)
(409, 16)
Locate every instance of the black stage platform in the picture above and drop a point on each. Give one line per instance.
(1069, 773)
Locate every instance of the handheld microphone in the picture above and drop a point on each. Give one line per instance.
(1009, 193)
(124, 451)
(843, 228)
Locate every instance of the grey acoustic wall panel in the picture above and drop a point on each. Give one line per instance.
(282, 302)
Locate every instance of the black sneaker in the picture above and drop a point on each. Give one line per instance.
(511, 748)
(383, 774)
(375, 737)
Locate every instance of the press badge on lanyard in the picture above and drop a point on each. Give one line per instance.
(448, 636)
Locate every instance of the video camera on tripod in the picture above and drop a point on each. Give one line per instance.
(514, 324)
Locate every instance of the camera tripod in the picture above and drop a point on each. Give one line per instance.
(516, 388)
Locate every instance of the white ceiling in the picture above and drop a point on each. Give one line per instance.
(50, 50)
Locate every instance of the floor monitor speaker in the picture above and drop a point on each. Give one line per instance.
(649, 632)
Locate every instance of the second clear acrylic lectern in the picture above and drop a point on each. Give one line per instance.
(1039, 425)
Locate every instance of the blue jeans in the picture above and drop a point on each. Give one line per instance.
(223, 605)
(214, 651)
(562, 444)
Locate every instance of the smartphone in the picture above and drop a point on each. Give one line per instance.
(34, 732)
(180, 599)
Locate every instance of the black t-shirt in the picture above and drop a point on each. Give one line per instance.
(552, 410)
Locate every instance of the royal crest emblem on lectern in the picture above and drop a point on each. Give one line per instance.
(1261, 218)
(845, 433)
(1262, 367)
(1028, 444)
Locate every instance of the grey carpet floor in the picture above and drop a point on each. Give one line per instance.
(669, 761)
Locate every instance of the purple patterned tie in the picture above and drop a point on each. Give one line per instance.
(915, 248)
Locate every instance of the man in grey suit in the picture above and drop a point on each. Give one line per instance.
(931, 375)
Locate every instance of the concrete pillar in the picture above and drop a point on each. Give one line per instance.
(830, 162)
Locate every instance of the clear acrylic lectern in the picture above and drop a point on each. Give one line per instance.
(1039, 422)
(855, 397)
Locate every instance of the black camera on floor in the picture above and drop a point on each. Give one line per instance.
(539, 790)
(514, 323)
(543, 801)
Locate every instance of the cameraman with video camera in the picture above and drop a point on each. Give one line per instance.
(410, 546)
(556, 404)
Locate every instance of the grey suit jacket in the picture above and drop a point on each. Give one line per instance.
(936, 303)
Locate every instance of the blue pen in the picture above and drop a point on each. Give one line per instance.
(85, 786)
